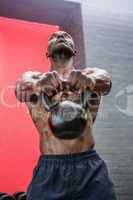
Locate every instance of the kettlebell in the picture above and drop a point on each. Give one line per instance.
(6, 197)
(67, 119)
(19, 194)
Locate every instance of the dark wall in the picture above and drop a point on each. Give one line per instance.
(58, 12)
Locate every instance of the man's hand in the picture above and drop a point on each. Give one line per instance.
(27, 85)
(81, 81)
(50, 83)
(97, 80)
(35, 82)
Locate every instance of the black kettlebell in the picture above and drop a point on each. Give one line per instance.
(18, 194)
(6, 197)
(22, 196)
(67, 119)
(2, 193)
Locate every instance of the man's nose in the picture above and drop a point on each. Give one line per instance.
(60, 36)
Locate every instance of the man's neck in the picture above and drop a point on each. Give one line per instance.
(63, 68)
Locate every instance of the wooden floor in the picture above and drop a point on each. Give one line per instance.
(109, 45)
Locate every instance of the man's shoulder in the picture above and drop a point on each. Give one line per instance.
(31, 74)
(89, 69)
(94, 69)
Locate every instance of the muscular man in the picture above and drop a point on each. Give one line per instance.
(67, 169)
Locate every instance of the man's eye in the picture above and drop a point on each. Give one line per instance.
(66, 35)
(53, 36)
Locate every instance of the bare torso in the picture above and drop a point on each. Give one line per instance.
(49, 144)
(61, 51)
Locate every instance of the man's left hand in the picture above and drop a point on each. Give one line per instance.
(80, 81)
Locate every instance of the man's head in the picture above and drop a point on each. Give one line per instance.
(60, 46)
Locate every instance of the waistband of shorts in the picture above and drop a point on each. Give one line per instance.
(69, 158)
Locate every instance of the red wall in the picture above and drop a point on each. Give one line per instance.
(22, 47)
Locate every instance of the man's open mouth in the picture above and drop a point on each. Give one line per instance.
(62, 48)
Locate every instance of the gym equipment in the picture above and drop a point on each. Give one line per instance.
(2, 193)
(67, 119)
(17, 194)
(6, 197)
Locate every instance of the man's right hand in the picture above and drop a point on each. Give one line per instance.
(27, 85)
(35, 82)
(50, 83)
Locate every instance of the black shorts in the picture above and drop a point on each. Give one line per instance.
(79, 176)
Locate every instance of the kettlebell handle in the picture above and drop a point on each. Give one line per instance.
(84, 96)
